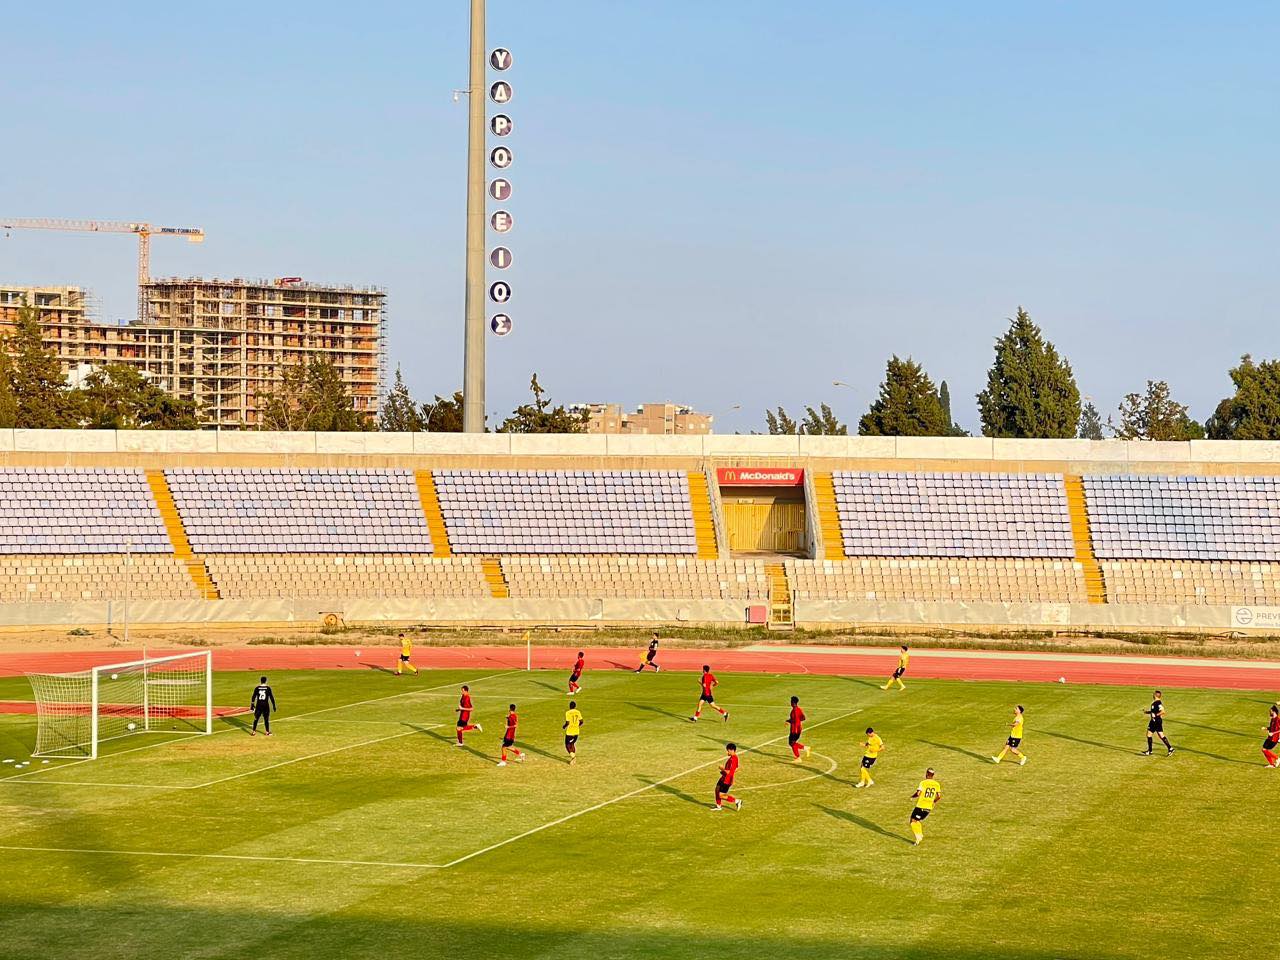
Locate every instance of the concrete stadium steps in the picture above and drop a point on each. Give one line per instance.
(934, 579)
(196, 568)
(828, 517)
(256, 576)
(430, 501)
(75, 578)
(704, 527)
(1078, 508)
(1197, 582)
(781, 611)
(495, 578)
(636, 578)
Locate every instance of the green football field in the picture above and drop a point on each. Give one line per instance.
(360, 831)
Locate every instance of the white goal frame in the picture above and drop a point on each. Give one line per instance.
(71, 699)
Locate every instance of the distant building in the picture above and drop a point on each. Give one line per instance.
(222, 343)
(659, 419)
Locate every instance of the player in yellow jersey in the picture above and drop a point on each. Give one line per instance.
(926, 797)
(406, 651)
(1015, 738)
(572, 728)
(904, 658)
(871, 748)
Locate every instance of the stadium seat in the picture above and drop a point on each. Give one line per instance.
(78, 510)
(41, 578)
(636, 578)
(259, 576)
(1006, 580)
(567, 512)
(1191, 581)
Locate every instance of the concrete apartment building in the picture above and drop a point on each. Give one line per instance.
(654, 419)
(222, 343)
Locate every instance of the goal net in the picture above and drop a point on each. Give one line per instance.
(75, 712)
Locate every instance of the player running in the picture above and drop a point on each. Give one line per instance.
(709, 682)
(728, 770)
(650, 656)
(904, 658)
(463, 710)
(262, 701)
(576, 675)
(1273, 738)
(509, 738)
(1015, 738)
(1155, 724)
(871, 748)
(795, 726)
(572, 728)
(926, 797)
(406, 651)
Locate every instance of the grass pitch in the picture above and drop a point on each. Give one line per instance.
(360, 831)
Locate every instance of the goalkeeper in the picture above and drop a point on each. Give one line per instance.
(263, 701)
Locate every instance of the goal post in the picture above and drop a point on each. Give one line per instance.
(76, 712)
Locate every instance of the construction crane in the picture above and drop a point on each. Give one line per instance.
(144, 231)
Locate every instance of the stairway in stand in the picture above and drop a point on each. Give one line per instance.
(1094, 586)
(828, 517)
(432, 513)
(781, 614)
(196, 568)
(496, 579)
(704, 527)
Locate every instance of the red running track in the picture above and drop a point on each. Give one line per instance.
(848, 661)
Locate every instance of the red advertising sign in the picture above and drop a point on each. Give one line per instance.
(759, 477)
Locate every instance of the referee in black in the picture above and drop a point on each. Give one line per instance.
(263, 701)
(1155, 724)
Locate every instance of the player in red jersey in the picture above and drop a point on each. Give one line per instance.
(1273, 738)
(574, 677)
(464, 715)
(708, 682)
(795, 725)
(727, 772)
(509, 738)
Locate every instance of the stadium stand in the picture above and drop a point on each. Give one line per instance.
(1185, 517)
(931, 579)
(636, 577)
(97, 576)
(567, 511)
(261, 575)
(953, 515)
(78, 510)
(1200, 582)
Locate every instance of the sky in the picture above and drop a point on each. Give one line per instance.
(729, 205)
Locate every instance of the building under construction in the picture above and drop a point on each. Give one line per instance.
(223, 343)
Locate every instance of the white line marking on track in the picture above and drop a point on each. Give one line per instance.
(626, 796)
(226, 856)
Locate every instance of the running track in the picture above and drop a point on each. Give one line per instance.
(847, 661)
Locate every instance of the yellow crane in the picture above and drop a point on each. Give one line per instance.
(144, 232)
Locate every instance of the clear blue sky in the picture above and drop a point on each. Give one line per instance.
(715, 203)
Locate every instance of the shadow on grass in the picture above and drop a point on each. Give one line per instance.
(538, 751)
(1179, 748)
(1205, 726)
(865, 824)
(242, 721)
(444, 738)
(381, 669)
(960, 750)
(1089, 743)
(864, 682)
(553, 687)
(652, 709)
(671, 791)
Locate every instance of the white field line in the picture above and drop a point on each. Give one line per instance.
(625, 796)
(233, 729)
(226, 856)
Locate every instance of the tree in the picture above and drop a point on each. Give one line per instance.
(541, 417)
(400, 413)
(1155, 415)
(312, 396)
(1030, 390)
(39, 388)
(1253, 412)
(444, 415)
(908, 405)
(1090, 423)
(944, 398)
(822, 423)
(8, 402)
(780, 424)
(119, 397)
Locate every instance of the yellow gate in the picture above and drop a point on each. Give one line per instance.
(764, 526)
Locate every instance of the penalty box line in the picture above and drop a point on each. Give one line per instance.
(627, 796)
(230, 729)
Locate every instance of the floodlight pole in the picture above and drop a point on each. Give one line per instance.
(474, 338)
